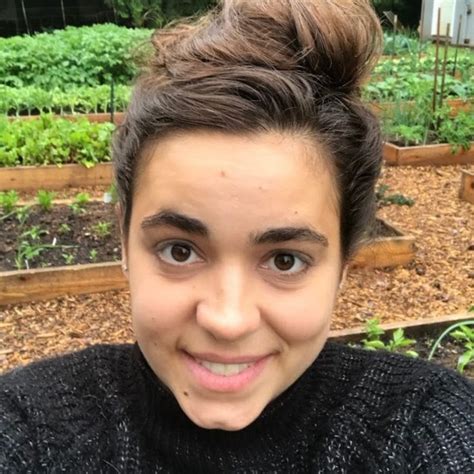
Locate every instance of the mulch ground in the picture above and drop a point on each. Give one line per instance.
(440, 281)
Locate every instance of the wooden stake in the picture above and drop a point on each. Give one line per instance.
(422, 26)
(458, 37)
(445, 60)
(24, 16)
(63, 13)
(395, 24)
(435, 82)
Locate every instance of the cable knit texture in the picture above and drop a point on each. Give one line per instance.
(352, 411)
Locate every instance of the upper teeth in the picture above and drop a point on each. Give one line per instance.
(224, 369)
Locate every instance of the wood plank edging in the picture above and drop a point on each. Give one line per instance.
(46, 283)
(411, 328)
(428, 155)
(52, 177)
(466, 193)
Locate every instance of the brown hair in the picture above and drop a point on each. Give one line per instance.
(252, 66)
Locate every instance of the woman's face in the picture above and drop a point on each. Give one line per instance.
(234, 264)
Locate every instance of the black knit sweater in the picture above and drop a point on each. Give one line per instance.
(352, 411)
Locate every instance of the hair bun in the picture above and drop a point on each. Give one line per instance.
(336, 42)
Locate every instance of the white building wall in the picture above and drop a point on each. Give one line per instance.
(450, 13)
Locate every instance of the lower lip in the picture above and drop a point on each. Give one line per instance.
(224, 383)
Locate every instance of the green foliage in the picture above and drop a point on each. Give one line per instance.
(416, 124)
(8, 200)
(28, 247)
(397, 343)
(45, 199)
(68, 258)
(409, 85)
(385, 199)
(33, 100)
(85, 56)
(458, 131)
(22, 214)
(401, 43)
(81, 199)
(79, 203)
(463, 333)
(156, 12)
(102, 229)
(93, 255)
(48, 141)
(64, 228)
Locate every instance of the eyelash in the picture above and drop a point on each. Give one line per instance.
(306, 261)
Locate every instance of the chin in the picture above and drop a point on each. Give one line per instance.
(225, 418)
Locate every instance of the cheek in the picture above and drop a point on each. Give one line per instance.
(158, 307)
(305, 314)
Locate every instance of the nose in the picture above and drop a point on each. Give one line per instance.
(229, 310)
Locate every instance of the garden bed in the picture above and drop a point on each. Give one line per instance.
(466, 193)
(436, 155)
(50, 177)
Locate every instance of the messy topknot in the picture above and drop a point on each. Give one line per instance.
(253, 66)
(335, 42)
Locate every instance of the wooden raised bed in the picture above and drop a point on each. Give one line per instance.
(435, 155)
(99, 118)
(466, 193)
(46, 283)
(23, 178)
(388, 251)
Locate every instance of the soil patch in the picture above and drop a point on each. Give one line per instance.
(61, 236)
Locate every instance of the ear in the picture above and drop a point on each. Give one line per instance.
(123, 239)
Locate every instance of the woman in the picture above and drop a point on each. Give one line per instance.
(246, 170)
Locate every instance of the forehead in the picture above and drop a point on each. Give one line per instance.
(206, 163)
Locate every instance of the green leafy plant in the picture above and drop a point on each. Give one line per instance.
(396, 343)
(102, 229)
(68, 258)
(45, 199)
(84, 56)
(79, 203)
(93, 255)
(8, 200)
(463, 333)
(64, 228)
(29, 247)
(22, 213)
(385, 199)
(48, 141)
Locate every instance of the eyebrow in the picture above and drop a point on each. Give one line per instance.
(284, 234)
(175, 219)
(192, 225)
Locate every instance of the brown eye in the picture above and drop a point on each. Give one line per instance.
(284, 262)
(177, 254)
(180, 253)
